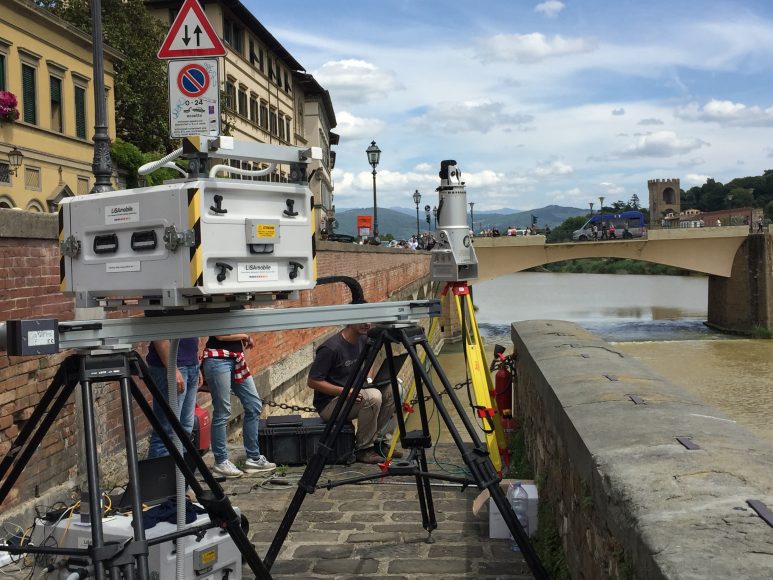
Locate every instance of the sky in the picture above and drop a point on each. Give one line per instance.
(552, 102)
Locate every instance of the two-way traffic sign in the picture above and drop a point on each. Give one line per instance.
(191, 35)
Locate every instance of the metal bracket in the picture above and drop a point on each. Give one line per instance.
(70, 247)
(174, 239)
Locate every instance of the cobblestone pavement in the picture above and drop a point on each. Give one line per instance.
(374, 531)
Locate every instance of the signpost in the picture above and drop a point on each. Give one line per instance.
(194, 84)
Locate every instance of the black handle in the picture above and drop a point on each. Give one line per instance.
(294, 266)
(289, 211)
(216, 208)
(223, 267)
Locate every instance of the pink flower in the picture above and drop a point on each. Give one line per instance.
(8, 104)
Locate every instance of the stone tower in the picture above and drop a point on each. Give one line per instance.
(664, 197)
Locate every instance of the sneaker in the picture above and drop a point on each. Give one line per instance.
(369, 456)
(382, 448)
(227, 469)
(259, 465)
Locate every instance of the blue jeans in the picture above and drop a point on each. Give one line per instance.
(186, 404)
(219, 375)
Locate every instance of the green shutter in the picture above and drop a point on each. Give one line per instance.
(80, 112)
(2, 72)
(28, 93)
(56, 90)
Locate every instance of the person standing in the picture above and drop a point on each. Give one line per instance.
(334, 362)
(188, 380)
(225, 369)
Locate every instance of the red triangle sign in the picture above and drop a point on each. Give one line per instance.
(191, 35)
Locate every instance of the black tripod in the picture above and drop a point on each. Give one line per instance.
(477, 459)
(127, 559)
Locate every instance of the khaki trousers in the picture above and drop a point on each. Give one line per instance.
(372, 413)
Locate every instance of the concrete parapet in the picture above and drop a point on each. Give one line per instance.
(629, 499)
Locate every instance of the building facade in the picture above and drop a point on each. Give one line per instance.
(665, 199)
(46, 64)
(265, 93)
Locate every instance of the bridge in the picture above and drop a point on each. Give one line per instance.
(709, 250)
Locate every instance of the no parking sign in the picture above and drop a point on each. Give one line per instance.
(194, 98)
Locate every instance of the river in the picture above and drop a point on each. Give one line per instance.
(657, 319)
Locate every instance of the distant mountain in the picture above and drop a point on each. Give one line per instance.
(401, 223)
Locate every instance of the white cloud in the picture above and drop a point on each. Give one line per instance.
(650, 121)
(466, 116)
(618, 112)
(611, 188)
(661, 144)
(357, 127)
(531, 48)
(696, 179)
(423, 167)
(728, 113)
(553, 168)
(356, 81)
(550, 8)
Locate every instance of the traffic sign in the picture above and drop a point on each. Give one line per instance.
(191, 35)
(194, 98)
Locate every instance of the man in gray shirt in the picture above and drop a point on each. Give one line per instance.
(334, 362)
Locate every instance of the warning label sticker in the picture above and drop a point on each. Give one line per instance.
(257, 272)
(265, 230)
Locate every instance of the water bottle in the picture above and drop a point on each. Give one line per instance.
(519, 500)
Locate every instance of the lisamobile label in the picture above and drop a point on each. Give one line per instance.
(122, 214)
(257, 272)
(40, 337)
(113, 267)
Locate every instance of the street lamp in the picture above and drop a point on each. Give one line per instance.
(417, 200)
(591, 207)
(374, 154)
(601, 204)
(427, 209)
(434, 212)
(15, 158)
(101, 165)
(472, 217)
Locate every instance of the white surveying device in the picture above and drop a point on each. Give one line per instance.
(198, 242)
(453, 258)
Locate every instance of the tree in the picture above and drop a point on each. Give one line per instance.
(141, 99)
(563, 232)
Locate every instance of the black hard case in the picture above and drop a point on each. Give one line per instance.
(292, 440)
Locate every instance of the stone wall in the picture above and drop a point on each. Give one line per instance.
(745, 300)
(29, 278)
(628, 499)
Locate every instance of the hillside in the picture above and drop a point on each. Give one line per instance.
(401, 222)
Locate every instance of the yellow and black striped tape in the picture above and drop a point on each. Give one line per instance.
(194, 223)
(62, 274)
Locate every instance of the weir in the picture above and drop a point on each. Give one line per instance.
(642, 478)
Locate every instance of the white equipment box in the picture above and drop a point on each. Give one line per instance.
(214, 557)
(188, 243)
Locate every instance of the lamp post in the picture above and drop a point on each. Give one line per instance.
(15, 159)
(591, 208)
(434, 213)
(472, 217)
(601, 204)
(374, 154)
(417, 200)
(102, 165)
(427, 209)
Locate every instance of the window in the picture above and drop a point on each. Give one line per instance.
(289, 127)
(263, 115)
(281, 127)
(232, 34)
(5, 172)
(253, 109)
(278, 75)
(288, 89)
(234, 163)
(242, 103)
(83, 185)
(2, 71)
(260, 58)
(32, 178)
(56, 104)
(80, 112)
(29, 94)
(230, 94)
(272, 119)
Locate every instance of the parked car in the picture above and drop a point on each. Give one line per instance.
(628, 225)
(346, 238)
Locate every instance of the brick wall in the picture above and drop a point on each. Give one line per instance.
(29, 278)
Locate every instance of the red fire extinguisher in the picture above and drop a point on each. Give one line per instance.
(503, 386)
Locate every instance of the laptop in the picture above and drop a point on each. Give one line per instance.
(381, 379)
(157, 481)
